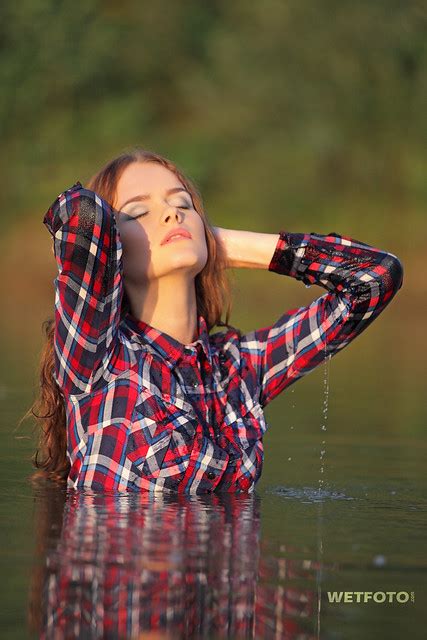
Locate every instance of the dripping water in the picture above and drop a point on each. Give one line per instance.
(325, 415)
(293, 407)
(327, 360)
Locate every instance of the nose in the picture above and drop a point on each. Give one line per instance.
(171, 212)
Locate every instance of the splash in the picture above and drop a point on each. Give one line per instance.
(309, 495)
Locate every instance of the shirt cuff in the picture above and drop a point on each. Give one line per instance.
(53, 221)
(288, 254)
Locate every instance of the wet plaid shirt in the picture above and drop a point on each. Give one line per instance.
(145, 412)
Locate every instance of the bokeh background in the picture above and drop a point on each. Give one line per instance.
(300, 115)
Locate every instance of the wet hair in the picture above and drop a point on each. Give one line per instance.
(213, 296)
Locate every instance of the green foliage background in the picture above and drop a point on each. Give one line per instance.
(279, 109)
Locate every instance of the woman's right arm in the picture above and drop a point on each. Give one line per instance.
(88, 287)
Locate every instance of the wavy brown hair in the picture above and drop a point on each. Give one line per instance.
(213, 296)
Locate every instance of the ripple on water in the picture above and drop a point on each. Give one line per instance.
(308, 494)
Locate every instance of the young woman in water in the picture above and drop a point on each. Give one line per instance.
(136, 394)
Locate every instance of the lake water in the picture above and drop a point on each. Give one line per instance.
(338, 509)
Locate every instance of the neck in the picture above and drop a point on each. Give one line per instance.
(167, 304)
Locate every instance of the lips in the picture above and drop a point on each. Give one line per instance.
(183, 233)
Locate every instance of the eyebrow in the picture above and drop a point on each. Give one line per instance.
(146, 195)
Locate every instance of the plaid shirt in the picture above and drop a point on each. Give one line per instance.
(144, 411)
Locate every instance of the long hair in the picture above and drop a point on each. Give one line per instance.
(213, 296)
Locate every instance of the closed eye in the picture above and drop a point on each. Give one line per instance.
(144, 213)
(128, 217)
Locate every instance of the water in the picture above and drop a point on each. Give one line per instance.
(220, 566)
(110, 565)
(308, 495)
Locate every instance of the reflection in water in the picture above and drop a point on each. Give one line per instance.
(116, 565)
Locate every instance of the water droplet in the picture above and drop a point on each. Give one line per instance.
(324, 409)
(379, 561)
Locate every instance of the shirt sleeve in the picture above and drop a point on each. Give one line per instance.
(88, 287)
(360, 281)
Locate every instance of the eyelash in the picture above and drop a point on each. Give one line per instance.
(145, 212)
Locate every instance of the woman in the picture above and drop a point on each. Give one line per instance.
(136, 394)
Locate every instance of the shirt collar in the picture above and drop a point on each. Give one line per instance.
(168, 347)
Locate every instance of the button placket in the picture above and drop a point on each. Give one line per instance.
(222, 365)
(192, 379)
(189, 374)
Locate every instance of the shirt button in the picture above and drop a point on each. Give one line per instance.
(211, 475)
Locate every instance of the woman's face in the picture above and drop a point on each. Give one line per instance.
(152, 201)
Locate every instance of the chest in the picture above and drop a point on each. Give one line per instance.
(166, 408)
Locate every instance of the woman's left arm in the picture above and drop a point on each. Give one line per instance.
(360, 281)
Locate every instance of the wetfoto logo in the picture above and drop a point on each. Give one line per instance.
(379, 597)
